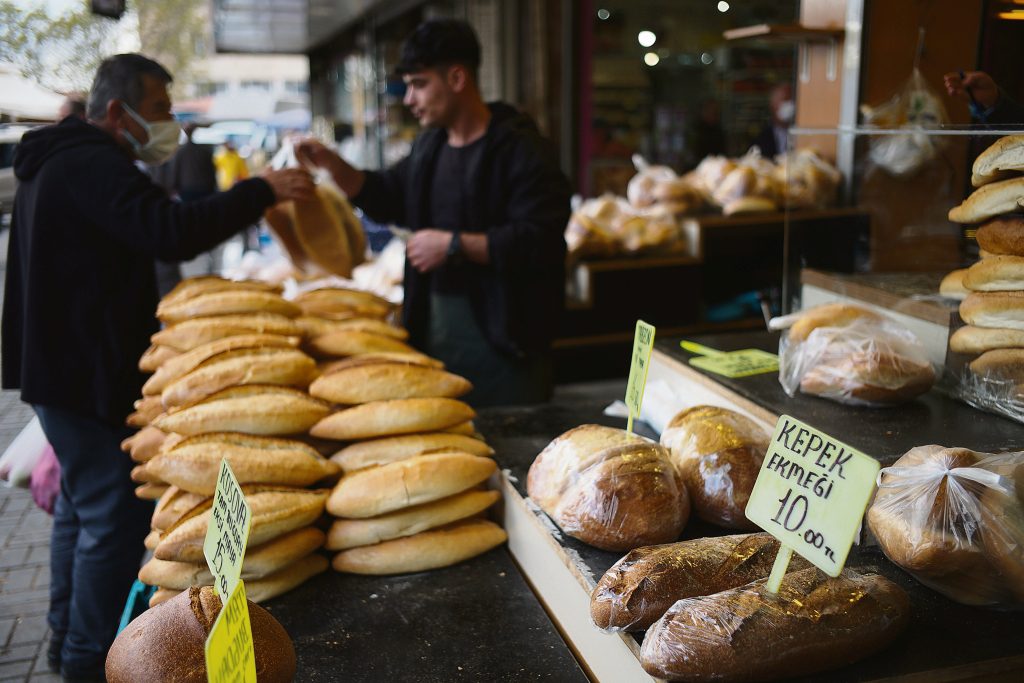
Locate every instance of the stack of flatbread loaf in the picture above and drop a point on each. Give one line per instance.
(993, 288)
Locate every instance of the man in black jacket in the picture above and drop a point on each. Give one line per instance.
(78, 313)
(484, 274)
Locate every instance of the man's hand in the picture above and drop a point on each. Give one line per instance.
(314, 154)
(428, 249)
(980, 84)
(290, 183)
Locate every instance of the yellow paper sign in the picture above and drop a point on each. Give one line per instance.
(230, 657)
(732, 364)
(228, 532)
(643, 342)
(811, 494)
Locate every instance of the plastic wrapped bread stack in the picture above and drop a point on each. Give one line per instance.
(411, 496)
(992, 305)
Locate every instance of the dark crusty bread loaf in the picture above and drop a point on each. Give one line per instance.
(813, 624)
(167, 643)
(640, 587)
(1002, 235)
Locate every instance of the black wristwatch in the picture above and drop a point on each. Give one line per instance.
(454, 255)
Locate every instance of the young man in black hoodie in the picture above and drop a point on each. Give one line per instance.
(78, 313)
(484, 273)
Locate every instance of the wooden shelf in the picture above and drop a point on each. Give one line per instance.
(795, 33)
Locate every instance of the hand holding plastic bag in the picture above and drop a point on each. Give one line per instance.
(24, 453)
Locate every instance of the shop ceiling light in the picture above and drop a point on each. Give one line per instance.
(706, 58)
(646, 38)
(1015, 15)
(603, 14)
(651, 58)
(723, 6)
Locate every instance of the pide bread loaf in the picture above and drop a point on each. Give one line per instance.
(995, 274)
(275, 511)
(815, 623)
(330, 301)
(386, 418)
(314, 327)
(427, 550)
(1004, 155)
(194, 463)
(167, 643)
(1001, 364)
(189, 334)
(386, 381)
(252, 409)
(155, 356)
(952, 286)
(352, 533)
(974, 340)
(279, 366)
(1002, 235)
(993, 199)
(342, 343)
(413, 481)
(227, 303)
(608, 488)
(192, 359)
(205, 284)
(172, 506)
(994, 309)
(640, 587)
(828, 315)
(365, 454)
(259, 562)
(718, 454)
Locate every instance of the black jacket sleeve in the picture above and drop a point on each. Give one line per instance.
(133, 210)
(382, 196)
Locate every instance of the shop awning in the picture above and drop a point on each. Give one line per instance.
(282, 26)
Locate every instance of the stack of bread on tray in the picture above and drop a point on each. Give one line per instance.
(993, 288)
(703, 602)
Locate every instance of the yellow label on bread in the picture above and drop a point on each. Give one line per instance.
(732, 364)
(811, 494)
(643, 342)
(228, 532)
(230, 657)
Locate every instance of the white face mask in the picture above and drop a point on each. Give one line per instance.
(164, 139)
(786, 111)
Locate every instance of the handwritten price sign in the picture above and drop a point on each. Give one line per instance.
(228, 532)
(229, 650)
(811, 494)
(643, 342)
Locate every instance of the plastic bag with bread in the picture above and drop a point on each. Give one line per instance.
(851, 355)
(954, 519)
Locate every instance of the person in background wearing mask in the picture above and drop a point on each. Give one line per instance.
(78, 312)
(774, 139)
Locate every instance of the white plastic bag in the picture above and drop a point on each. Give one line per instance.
(24, 453)
(914, 107)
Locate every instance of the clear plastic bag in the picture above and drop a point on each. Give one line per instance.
(954, 519)
(851, 355)
(641, 188)
(990, 391)
(614, 490)
(24, 453)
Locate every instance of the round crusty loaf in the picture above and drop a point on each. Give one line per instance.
(1000, 273)
(414, 481)
(387, 418)
(230, 302)
(1003, 156)
(167, 643)
(952, 286)
(994, 309)
(718, 454)
(251, 409)
(190, 334)
(364, 454)
(974, 340)
(613, 490)
(1002, 235)
(424, 551)
(387, 381)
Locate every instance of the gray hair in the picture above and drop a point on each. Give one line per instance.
(120, 78)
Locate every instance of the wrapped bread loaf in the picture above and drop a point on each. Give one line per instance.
(368, 382)
(718, 454)
(608, 488)
(814, 624)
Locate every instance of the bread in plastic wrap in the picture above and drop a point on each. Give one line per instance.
(814, 623)
(851, 355)
(639, 588)
(954, 519)
(614, 490)
(718, 453)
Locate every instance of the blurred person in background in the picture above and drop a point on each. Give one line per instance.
(774, 138)
(73, 105)
(230, 166)
(488, 204)
(78, 312)
(987, 102)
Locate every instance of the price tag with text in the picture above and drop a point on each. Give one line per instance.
(228, 532)
(732, 364)
(811, 494)
(643, 342)
(230, 657)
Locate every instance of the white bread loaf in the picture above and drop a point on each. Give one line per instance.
(386, 381)
(386, 418)
(1003, 156)
(1001, 364)
(952, 286)
(996, 274)
(988, 201)
(189, 334)
(994, 309)
(365, 454)
(252, 409)
(974, 340)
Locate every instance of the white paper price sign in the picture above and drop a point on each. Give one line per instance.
(230, 657)
(811, 494)
(227, 533)
(643, 342)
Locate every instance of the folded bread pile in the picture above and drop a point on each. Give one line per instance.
(851, 355)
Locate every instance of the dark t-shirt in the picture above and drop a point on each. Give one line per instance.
(449, 193)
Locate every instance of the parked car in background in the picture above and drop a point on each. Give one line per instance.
(10, 136)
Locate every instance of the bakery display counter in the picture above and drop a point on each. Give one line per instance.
(945, 641)
(475, 621)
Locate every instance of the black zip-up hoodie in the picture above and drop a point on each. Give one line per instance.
(81, 293)
(520, 198)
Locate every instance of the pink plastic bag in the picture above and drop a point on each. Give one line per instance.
(45, 480)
